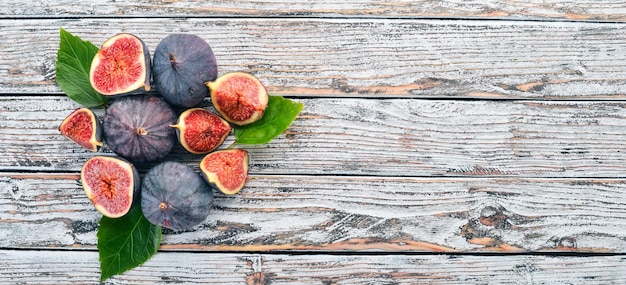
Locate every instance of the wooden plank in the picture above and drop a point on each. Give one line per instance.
(552, 9)
(327, 213)
(384, 137)
(72, 267)
(398, 58)
(82, 267)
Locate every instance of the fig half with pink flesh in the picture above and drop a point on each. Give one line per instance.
(111, 184)
(201, 131)
(83, 127)
(122, 66)
(239, 97)
(226, 170)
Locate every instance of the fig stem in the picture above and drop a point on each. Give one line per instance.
(142, 131)
(173, 62)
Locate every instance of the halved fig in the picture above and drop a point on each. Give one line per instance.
(138, 128)
(201, 131)
(174, 196)
(121, 66)
(182, 64)
(239, 97)
(111, 184)
(83, 127)
(226, 170)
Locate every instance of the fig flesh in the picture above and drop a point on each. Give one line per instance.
(83, 127)
(239, 97)
(174, 196)
(226, 170)
(138, 128)
(122, 66)
(201, 131)
(182, 64)
(111, 184)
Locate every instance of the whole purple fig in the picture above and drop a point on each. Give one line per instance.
(182, 64)
(138, 128)
(174, 196)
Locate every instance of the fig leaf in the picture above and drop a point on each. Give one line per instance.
(278, 116)
(126, 242)
(72, 70)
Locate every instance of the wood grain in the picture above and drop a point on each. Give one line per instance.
(346, 214)
(597, 10)
(76, 267)
(413, 162)
(360, 57)
(381, 137)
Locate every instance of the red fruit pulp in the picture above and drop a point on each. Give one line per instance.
(79, 128)
(108, 186)
(239, 98)
(204, 131)
(227, 166)
(121, 65)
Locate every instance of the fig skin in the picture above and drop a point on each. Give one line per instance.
(226, 170)
(118, 176)
(175, 197)
(201, 131)
(138, 128)
(182, 64)
(239, 97)
(83, 127)
(106, 76)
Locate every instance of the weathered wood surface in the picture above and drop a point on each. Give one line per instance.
(360, 57)
(327, 213)
(388, 137)
(389, 162)
(598, 10)
(81, 267)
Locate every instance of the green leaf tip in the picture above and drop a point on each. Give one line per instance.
(278, 116)
(126, 242)
(72, 69)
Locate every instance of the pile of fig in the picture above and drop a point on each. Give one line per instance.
(154, 105)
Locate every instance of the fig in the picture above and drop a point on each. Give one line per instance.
(239, 97)
(201, 131)
(138, 128)
(121, 66)
(83, 127)
(111, 184)
(226, 170)
(174, 196)
(182, 64)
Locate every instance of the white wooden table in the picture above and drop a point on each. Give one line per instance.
(442, 142)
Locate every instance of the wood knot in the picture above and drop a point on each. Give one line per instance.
(492, 216)
(567, 243)
(8, 185)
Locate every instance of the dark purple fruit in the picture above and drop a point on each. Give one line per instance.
(239, 97)
(83, 127)
(226, 170)
(201, 131)
(111, 184)
(182, 64)
(138, 128)
(174, 196)
(121, 66)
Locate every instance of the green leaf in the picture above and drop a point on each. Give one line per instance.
(127, 242)
(278, 116)
(72, 70)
